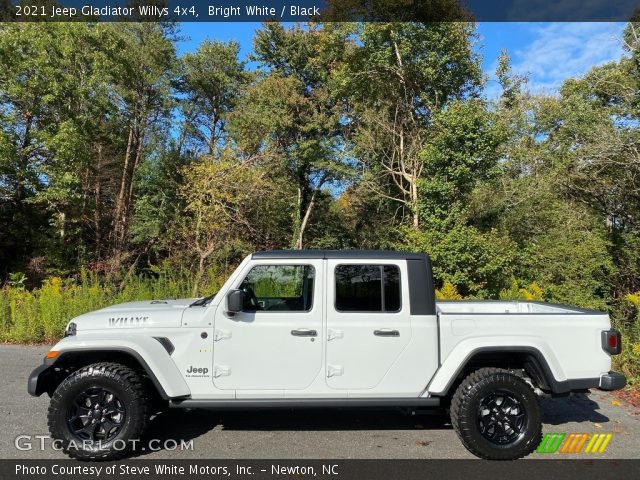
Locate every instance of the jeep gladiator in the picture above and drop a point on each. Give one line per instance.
(320, 328)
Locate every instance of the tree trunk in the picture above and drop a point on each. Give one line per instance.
(298, 220)
(134, 166)
(414, 202)
(62, 218)
(125, 194)
(20, 193)
(305, 220)
(97, 192)
(199, 274)
(118, 219)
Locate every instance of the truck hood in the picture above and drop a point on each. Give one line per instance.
(149, 313)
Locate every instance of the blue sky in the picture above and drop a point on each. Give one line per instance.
(547, 52)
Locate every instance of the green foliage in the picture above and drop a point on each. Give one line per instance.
(448, 292)
(399, 80)
(212, 79)
(289, 121)
(629, 360)
(529, 293)
(478, 263)
(463, 152)
(157, 172)
(40, 315)
(277, 282)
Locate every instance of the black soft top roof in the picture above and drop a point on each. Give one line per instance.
(359, 254)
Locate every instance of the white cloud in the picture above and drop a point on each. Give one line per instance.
(563, 50)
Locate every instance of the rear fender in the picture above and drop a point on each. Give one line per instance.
(456, 361)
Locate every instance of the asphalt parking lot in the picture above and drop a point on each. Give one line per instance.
(301, 434)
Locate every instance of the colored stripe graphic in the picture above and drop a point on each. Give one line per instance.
(543, 443)
(553, 447)
(550, 442)
(598, 443)
(606, 441)
(574, 443)
(593, 440)
(580, 444)
(570, 443)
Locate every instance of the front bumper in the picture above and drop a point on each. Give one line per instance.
(37, 382)
(612, 381)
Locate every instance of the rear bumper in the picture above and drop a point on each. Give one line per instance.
(606, 381)
(612, 381)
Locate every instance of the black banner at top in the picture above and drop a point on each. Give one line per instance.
(320, 10)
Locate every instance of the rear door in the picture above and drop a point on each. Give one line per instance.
(275, 343)
(368, 320)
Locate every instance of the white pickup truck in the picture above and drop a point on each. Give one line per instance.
(324, 329)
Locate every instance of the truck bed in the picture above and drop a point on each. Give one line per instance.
(567, 338)
(491, 307)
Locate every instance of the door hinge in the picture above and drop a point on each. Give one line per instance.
(333, 334)
(334, 370)
(221, 371)
(221, 335)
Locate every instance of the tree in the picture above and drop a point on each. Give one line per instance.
(528, 202)
(510, 82)
(144, 68)
(397, 80)
(225, 201)
(464, 151)
(289, 119)
(53, 102)
(212, 79)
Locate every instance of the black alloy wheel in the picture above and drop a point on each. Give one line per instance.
(496, 414)
(96, 415)
(99, 412)
(502, 418)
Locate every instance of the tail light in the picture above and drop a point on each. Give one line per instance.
(611, 342)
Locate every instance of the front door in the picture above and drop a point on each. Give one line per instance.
(368, 321)
(275, 343)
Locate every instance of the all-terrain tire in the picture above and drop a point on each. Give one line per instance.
(126, 397)
(469, 417)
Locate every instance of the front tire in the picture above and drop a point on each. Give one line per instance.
(497, 415)
(98, 412)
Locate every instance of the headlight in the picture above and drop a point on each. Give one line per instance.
(71, 330)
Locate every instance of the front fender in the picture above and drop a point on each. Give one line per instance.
(146, 350)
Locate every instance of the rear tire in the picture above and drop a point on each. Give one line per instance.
(497, 415)
(98, 412)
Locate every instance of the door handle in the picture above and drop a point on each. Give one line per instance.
(386, 333)
(303, 332)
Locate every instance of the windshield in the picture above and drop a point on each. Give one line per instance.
(204, 301)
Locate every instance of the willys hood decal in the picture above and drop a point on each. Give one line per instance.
(150, 313)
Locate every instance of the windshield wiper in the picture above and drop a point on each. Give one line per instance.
(204, 301)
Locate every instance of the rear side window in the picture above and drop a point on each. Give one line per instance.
(367, 288)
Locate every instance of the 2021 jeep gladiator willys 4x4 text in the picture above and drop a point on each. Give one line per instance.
(324, 329)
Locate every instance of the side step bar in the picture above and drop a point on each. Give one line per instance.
(267, 403)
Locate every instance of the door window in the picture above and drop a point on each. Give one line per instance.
(278, 288)
(367, 288)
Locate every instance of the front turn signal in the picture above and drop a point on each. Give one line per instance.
(52, 354)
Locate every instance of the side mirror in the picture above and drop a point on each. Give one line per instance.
(235, 300)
